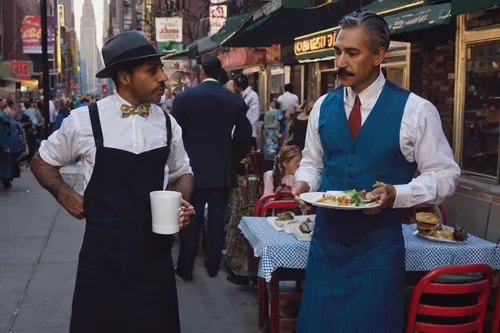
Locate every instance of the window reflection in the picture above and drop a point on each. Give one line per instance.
(482, 110)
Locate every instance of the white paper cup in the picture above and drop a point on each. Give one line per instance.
(165, 207)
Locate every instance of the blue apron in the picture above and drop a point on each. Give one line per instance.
(356, 268)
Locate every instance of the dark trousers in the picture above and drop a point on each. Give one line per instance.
(217, 199)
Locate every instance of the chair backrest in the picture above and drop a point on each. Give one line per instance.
(427, 286)
(278, 204)
(257, 159)
(495, 327)
(267, 198)
(441, 211)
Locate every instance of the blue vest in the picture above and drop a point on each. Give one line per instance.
(373, 155)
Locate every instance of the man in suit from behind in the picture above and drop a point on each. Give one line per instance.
(207, 114)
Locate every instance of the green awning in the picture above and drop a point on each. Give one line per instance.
(419, 18)
(177, 55)
(319, 46)
(469, 6)
(232, 25)
(280, 21)
(390, 6)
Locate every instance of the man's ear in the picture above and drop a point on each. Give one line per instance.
(380, 56)
(124, 78)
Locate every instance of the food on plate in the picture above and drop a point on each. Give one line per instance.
(460, 234)
(427, 224)
(286, 216)
(446, 234)
(346, 198)
(306, 227)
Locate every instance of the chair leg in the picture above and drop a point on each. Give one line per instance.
(261, 302)
(275, 304)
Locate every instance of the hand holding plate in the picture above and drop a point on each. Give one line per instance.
(385, 195)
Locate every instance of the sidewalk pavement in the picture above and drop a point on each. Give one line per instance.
(39, 246)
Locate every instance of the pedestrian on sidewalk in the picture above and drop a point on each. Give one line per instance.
(208, 113)
(251, 99)
(128, 147)
(5, 161)
(366, 131)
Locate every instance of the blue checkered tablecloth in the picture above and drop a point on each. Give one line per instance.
(279, 249)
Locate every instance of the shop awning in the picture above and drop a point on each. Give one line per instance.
(319, 46)
(177, 55)
(469, 6)
(280, 21)
(32, 84)
(419, 18)
(233, 24)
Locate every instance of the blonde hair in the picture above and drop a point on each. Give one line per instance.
(286, 154)
(308, 108)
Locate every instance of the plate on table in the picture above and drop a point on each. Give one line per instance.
(344, 200)
(289, 225)
(435, 239)
(302, 236)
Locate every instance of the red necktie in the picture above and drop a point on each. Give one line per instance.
(355, 118)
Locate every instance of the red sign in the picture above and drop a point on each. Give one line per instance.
(31, 35)
(273, 53)
(20, 68)
(242, 57)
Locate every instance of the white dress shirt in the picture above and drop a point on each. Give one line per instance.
(421, 140)
(135, 134)
(252, 101)
(52, 111)
(289, 101)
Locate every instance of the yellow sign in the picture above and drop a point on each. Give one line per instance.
(313, 43)
(60, 12)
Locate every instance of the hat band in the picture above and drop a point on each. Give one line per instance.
(137, 52)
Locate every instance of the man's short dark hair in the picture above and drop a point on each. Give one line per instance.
(240, 80)
(213, 72)
(373, 25)
(289, 87)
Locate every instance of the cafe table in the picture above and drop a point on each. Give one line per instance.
(280, 252)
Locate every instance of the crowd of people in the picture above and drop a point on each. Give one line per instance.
(22, 128)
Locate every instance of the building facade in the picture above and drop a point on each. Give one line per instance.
(88, 46)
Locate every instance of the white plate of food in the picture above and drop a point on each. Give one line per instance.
(429, 227)
(285, 221)
(304, 231)
(345, 200)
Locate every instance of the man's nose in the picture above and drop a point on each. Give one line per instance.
(340, 61)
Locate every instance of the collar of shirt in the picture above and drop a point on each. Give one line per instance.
(367, 95)
(245, 92)
(210, 79)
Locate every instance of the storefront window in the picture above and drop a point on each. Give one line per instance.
(481, 133)
(482, 19)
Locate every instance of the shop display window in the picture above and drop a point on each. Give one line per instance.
(482, 19)
(481, 131)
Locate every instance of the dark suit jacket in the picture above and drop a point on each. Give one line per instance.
(207, 115)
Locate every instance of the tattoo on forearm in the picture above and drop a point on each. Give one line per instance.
(183, 184)
(48, 176)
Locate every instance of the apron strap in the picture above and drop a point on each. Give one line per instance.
(169, 129)
(96, 124)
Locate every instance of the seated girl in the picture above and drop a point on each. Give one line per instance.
(286, 164)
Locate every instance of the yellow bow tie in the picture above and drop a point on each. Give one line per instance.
(142, 110)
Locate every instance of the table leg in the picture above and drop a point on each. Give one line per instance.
(275, 303)
(262, 304)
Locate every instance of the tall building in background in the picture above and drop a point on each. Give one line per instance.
(88, 46)
(105, 21)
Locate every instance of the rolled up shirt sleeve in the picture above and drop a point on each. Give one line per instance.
(63, 146)
(178, 162)
(438, 170)
(311, 165)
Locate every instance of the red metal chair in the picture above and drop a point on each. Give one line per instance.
(495, 327)
(443, 214)
(428, 285)
(263, 298)
(267, 198)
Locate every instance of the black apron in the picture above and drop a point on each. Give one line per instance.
(125, 281)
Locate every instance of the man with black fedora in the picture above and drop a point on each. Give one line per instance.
(217, 134)
(128, 147)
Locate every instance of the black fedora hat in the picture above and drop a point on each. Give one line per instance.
(124, 47)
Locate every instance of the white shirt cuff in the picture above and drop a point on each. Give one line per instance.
(305, 177)
(403, 196)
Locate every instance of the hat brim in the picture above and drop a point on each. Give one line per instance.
(106, 72)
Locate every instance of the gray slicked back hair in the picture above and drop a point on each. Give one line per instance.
(375, 26)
